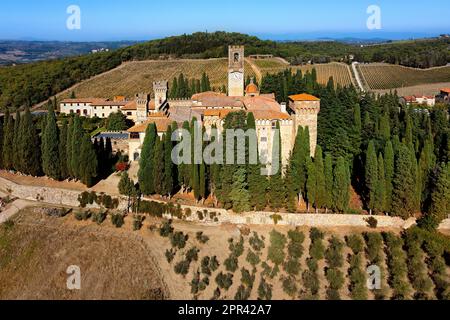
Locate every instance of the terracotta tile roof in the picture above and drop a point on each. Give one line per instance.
(446, 90)
(207, 94)
(270, 115)
(303, 97)
(83, 100)
(161, 125)
(221, 113)
(109, 103)
(130, 106)
(252, 89)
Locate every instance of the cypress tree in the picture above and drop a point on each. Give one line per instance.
(328, 182)
(239, 194)
(440, 198)
(371, 176)
(184, 171)
(195, 168)
(87, 162)
(50, 147)
(63, 150)
(16, 146)
(70, 171)
(8, 139)
(311, 184)
(1, 144)
(321, 196)
(403, 199)
(146, 162)
(380, 194)
(29, 146)
(158, 166)
(77, 139)
(174, 89)
(341, 186)
(168, 163)
(389, 165)
(276, 184)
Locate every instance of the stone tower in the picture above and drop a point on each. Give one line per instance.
(161, 89)
(236, 61)
(306, 110)
(142, 100)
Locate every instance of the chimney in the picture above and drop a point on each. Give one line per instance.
(283, 107)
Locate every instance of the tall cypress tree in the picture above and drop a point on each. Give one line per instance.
(158, 166)
(77, 138)
(29, 146)
(341, 186)
(239, 194)
(16, 147)
(389, 166)
(440, 198)
(50, 147)
(70, 171)
(276, 184)
(311, 184)
(88, 162)
(8, 139)
(168, 163)
(328, 181)
(380, 194)
(321, 197)
(146, 162)
(403, 199)
(63, 150)
(371, 176)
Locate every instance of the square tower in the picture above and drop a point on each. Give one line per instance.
(142, 100)
(306, 109)
(161, 89)
(236, 60)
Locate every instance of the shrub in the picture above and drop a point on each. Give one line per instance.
(276, 249)
(374, 243)
(264, 290)
(372, 222)
(253, 258)
(289, 286)
(335, 278)
(187, 212)
(237, 249)
(292, 267)
(316, 234)
(200, 215)
(243, 293)
(312, 264)
(192, 254)
(231, 263)
(99, 217)
(216, 295)
(334, 253)
(82, 215)
(178, 239)
(256, 242)
(166, 229)
(333, 294)
(355, 242)
(311, 281)
(214, 264)
(205, 266)
(224, 281)
(170, 255)
(201, 237)
(117, 220)
(276, 218)
(182, 267)
(247, 278)
(295, 246)
(138, 222)
(153, 208)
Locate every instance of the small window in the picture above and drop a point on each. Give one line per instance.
(129, 113)
(263, 139)
(274, 124)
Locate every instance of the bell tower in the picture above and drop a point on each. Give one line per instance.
(142, 100)
(236, 60)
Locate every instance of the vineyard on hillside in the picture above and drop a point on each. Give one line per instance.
(136, 77)
(339, 71)
(384, 76)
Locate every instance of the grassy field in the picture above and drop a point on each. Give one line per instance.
(384, 76)
(205, 262)
(138, 76)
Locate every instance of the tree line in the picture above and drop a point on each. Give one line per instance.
(59, 152)
(184, 88)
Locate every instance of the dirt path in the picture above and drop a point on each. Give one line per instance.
(13, 208)
(255, 69)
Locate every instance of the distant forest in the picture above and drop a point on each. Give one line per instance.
(26, 85)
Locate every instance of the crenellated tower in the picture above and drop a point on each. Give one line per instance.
(142, 100)
(236, 62)
(161, 90)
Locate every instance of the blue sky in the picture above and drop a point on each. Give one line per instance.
(147, 19)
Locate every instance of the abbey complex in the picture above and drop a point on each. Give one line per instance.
(210, 108)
